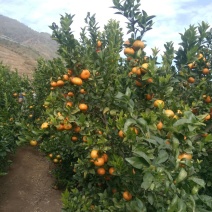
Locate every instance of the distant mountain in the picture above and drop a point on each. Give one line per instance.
(21, 46)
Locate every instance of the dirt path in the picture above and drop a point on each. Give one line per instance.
(28, 186)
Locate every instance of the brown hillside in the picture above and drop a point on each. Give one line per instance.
(20, 46)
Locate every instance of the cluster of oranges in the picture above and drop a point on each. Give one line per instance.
(56, 159)
(203, 70)
(99, 162)
(138, 67)
(74, 80)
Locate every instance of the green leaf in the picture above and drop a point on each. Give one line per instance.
(136, 206)
(189, 115)
(119, 95)
(147, 180)
(207, 200)
(136, 162)
(191, 128)
(197, 181)
(182, 175)
(150, 140)
(162, 157)
(173, 205)
(128, 92)
(128, 123)
(142, 154)
(142, 121)
(182, 122)
(181, 206)
(176, 143)
(150, 198)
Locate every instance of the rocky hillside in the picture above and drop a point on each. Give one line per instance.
(20, 46)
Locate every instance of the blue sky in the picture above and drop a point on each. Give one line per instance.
(172, 16)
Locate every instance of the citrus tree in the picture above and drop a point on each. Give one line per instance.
(13, 93)
(130, 133)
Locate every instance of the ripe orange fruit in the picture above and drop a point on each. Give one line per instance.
(98, 44)
(99, 161)
(65, 77)
(76, 80)
(99, 132)
(199, 56)
(111, 170)
(191, 65)
(44, 125)
(60, 127)
(204, 135)
(101, 171)
(74, 138)
(58, 156)
(207, 117)
(84, 138)
(60, 83)
(69, 104)
(82, 91)
(85, 74)
(69, 72)
(160, 126)
(137, 83)
(94, 153)
(135, 130)
(185, 155)
(121, 134)
(191, 80)
(138, 44)
(150, 80)
(169, 113)
(130, 73)
(77, 129)
(144, 68)
(67, 126)
(70, 93)
(205, 71)
(129, 50)
(149, 96)
(208, 99)
(15, 94)
(50, 155)
(105, 156)
(83, 107)
(55, 160)
(127, 196)
(33, 143)
(158, 103)
(136, 70)
(54, 84)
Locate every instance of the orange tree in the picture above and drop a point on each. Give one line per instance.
(34, 106)
(13, 91)
(130, 134)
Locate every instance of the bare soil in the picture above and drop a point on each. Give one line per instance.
(28, 186)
